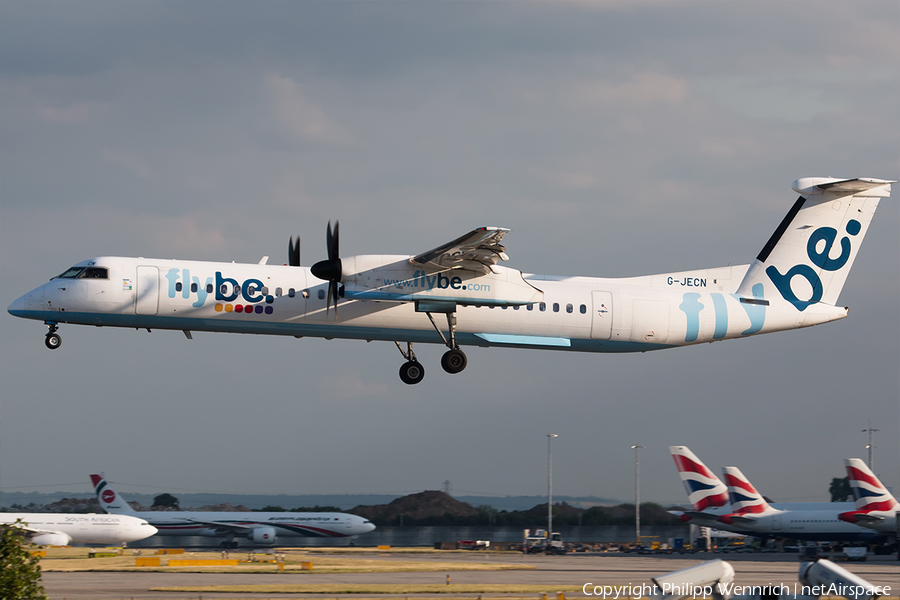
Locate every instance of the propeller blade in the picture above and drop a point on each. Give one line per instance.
(294, 252)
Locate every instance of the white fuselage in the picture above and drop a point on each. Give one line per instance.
(807, 524)
(381, 295)
(84, 528)
(287, 524)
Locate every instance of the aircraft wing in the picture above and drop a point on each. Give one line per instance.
(222, 526)
(477, 251)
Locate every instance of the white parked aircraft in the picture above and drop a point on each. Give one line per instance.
(876, 508)
(261, 528)
(794, 282)
(710, 500)
(751, 511)
(62, 529)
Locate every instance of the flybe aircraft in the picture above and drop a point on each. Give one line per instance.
(875, 507)
(457, 294)
(710, 500)
(751, 511)
(261, 528)
(62, 529)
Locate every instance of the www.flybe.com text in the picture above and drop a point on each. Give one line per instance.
(422, 280)
(729, 589)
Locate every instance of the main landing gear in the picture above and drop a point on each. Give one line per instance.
(53, 340)
(453, 361)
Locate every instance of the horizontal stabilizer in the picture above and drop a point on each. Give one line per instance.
(818, 185)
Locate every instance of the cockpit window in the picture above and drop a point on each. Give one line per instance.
(94, 273)
(71, 273)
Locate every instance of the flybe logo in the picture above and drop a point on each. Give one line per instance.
(428, 282)
(818, 249)
(225, 290)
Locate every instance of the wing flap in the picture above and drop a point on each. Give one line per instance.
(477, 250)
(222, 526)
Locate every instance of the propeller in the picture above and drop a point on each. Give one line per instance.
(294, 252)
(330, 270)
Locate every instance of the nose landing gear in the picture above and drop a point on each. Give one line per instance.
(53, 339)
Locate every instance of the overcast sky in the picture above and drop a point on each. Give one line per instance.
(615, 138)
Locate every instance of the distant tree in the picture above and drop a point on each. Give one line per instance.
(270, 508)
(165, 501)
(840, 489)
(20, 573)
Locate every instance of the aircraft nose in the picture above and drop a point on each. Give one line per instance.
(368, 526)
(17, 308)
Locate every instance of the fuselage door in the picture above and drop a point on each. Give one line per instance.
(601, 323)
(147, 298)
(776, 522)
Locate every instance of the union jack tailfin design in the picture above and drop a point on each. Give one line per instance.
(744, 497)
(868, 491)
(704, 489)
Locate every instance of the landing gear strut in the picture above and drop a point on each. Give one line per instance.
(53, 340)
(412, 371)
(454, 360)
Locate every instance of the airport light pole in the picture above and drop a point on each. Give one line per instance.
(550, 437)
(871, 445)
(637, 493)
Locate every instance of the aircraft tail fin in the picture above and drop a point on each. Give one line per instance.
(745, 500)
(807, 259)
(868, 491)
(703, 488)
(109, 500)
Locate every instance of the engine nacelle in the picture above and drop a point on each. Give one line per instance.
(263, 535)
(51, 539)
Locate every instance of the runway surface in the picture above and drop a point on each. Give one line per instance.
(572, 569)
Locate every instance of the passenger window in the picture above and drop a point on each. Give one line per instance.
(94, 273)
(224, 289)
(278, 292)
(291, 293)
(321, 294)
(530, 307)
(516, 307)
(265, 290)
(583, 309)
(542, 306)
(503, 307)
(194, 288)
(569, 308)
(556, 307)
(178, 286)
(209, 288)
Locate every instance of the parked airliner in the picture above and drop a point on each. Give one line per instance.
(62, 529)
(261, 528)
(710, 500)
(751, 511)
(876, 508)
(794, 282)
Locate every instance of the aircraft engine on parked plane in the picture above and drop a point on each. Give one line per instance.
(51, 539)
(263, 535)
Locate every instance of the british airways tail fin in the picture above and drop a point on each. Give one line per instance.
(109, 500)
(703, 488)
(868, 491)
(807, 259)
(745, 500)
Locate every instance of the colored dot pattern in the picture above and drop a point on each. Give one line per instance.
(244, 308)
